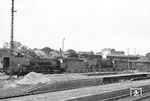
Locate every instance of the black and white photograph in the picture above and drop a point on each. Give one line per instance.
(74, 50)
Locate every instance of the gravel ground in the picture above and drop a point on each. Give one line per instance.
(12, 86)
(64, 94)
(74, 93)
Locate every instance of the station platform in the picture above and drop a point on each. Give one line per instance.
(87, 81)
(124, 77)
(124, 74)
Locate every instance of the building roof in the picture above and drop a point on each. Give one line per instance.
(143, 60)
(84, 52)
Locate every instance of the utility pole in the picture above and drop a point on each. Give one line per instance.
(63, 44)
(134, 51)
(128, 58)
(12, 35)
(12, 29)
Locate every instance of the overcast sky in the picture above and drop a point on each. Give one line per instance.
(86, 25)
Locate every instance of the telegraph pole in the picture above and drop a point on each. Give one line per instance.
(134, 51)
(128, 59)
(12, 29)
(12, 36)
(63, 44)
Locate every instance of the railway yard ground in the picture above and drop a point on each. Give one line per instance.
(71, 86)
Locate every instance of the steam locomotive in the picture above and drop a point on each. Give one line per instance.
(88, 64)
(23, 65)
(20, 65)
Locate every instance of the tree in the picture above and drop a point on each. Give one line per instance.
(92, 53)
(17, 46)
(24, 49)
(6, 45)
(72, 53)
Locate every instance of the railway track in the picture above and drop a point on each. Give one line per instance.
(123, 97)
(29, 92)
(56, 86)
(33, 92)
(127, 97)
(144, 98)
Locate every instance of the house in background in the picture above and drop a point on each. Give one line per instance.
(109, 51)
(55, 54)
(70, 53)
(99, 53)
(40, 53)
(85, 52)
(47, 50)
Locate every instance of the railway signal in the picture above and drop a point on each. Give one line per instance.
(12, 29)
(12, 33)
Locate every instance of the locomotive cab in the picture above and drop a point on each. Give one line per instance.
(10, 63)
(6, 63)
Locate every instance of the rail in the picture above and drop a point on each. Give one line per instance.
(67, 85)
(127, 97)
(142, 98)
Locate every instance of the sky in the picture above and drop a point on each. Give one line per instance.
(86, 25)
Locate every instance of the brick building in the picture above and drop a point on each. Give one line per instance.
(109, 51)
